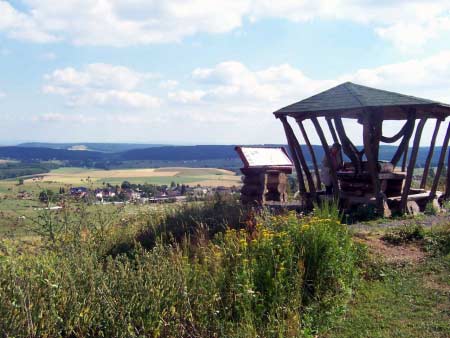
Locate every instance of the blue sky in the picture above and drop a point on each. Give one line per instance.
(204, 72)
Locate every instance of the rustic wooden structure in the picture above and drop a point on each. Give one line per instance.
(365, 179)
(266, 173)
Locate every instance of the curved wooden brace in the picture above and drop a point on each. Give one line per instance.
(440, 165)
(326, 149)
(411, 165)
(397, 136)
(405, 141)
(311, 151)
(426, 168)
(298, 168)
(348, 147)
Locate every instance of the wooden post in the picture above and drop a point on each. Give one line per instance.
(311, 151)
(332, 130)
(440, 165)
(302, 160)
(298, 168)
(411, 165)
(423, 183)
(371, 142)
(447, 181)
(326, 149)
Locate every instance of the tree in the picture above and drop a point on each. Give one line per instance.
(126, 185)
(46, 196)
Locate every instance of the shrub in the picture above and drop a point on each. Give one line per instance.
(404, 234)
(437, 240)
(193, 221)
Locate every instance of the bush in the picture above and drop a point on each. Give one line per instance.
(437, 240)
(404, 234)
(193, 221)
(283, 276)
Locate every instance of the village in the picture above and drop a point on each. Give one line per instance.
(148, 193)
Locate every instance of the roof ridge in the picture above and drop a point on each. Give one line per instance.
(392, 93)
(352, 92)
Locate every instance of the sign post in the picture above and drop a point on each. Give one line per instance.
(265, 174)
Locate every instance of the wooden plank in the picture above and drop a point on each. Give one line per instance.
(298, 168)
(423, 182)
(326, 149)
(411, 165)
(311, 151)
(440, 164)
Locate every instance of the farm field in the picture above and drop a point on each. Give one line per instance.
(192, 176)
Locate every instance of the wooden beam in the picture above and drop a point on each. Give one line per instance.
(447, 181)
(299, 151)
(332, 130)
(411, 165)
(298, 168)
(371, 139)
(347, 146)
(312, 153)
(326, 149)
(423, 182)
(397, 136)
(405, 140)
(440, 164)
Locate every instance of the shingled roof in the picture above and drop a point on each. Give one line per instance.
(351, 100)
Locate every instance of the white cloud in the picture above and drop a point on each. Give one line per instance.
(57, 118)
(122, 23)
(2, 94)
(231, 94)
(22, 26)
(101, 85)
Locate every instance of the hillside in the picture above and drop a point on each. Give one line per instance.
(101, 147)
(164, 153)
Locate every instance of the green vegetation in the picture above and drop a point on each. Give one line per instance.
(411, 301)
(409, 298)
(11, 169)
(280, 276)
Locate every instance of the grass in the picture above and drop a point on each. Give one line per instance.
(411, 301)
(281, 276)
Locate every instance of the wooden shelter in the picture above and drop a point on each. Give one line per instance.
(365, 179)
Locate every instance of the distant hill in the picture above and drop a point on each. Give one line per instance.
(101, 147)
(181, 153)
(163, 153)
(47, 154)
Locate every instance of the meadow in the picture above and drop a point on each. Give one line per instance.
(181, 175)
(216, 269)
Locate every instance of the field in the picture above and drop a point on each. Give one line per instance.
(191, 176)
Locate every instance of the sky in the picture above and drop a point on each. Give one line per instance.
(206, 71)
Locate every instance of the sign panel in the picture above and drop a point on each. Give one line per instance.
(264, 157)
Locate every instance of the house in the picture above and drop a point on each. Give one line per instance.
(78, 191)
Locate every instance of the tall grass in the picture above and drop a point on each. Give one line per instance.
(282, 276)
